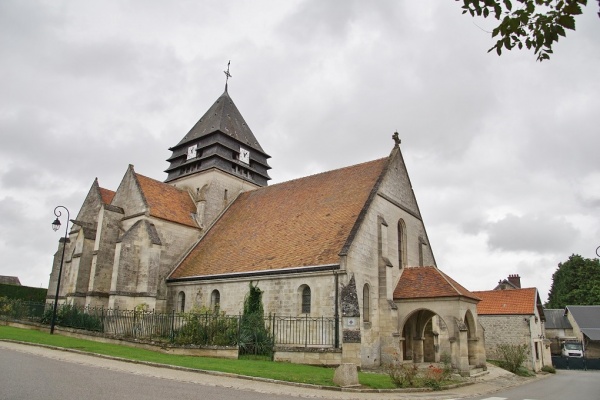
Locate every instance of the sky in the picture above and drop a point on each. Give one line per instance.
(502, 151)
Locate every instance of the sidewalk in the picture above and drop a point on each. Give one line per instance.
(494, 380)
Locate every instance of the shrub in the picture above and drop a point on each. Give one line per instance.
(403, 374)
(203, 327)
(254, 337)
(549, 368)
(512, 356)
(434, 377)
(446, 360)
(68, 315)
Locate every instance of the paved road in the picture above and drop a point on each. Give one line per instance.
(32, 373)
(567, 384)
(29, 376)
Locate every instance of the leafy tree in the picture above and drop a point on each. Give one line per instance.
(535, 24)
(575, 282)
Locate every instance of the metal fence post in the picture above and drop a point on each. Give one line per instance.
(173, 326)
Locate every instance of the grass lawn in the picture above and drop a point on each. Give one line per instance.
(264, 369)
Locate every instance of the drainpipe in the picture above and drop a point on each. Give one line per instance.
(531, 345)
(336, 313)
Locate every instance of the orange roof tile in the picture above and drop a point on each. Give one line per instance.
(304, 222)
(426, 282)
(504, 302)
(166, 201)
(106, 195)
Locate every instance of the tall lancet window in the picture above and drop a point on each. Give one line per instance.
(401, 243)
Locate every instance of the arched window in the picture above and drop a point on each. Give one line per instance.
(401, 243)
(215, 300)
(181, 302)
(366, 303)
(306, 300)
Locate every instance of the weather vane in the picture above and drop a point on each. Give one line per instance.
(227, 74)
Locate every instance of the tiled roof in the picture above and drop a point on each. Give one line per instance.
(167, 202)
(556, 319)
(107, 195)
(300, 223)
(507, 302)
(427, 282)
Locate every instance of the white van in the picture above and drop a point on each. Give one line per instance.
(572, 349)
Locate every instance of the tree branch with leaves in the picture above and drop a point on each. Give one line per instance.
(534, 24)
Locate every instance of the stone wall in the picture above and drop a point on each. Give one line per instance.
(504, 329)
(374, 260)
(282, 294)
(325, 357)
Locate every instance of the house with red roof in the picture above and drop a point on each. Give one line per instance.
(348, 244)
(513, 315)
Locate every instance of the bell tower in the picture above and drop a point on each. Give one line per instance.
(218, 159)
(221, 140)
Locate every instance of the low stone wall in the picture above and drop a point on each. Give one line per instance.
(309, 355)
(208, 351)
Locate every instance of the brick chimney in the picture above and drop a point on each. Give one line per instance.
(515, 280)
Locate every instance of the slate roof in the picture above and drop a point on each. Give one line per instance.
(301, 223)
(556, 319)
(10, 280)
(106, 195)
(223, 116)
(428, 282)
(507, 302)
(587, 318)
(167, 202)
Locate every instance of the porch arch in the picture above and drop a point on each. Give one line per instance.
(421, 336)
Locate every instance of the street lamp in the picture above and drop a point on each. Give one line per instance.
(56, 226)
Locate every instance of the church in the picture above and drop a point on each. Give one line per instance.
(349, 242)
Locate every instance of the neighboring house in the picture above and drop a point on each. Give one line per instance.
(557, 327)
(585, 321)
(351, 240)
(515, 317)
(10, 280)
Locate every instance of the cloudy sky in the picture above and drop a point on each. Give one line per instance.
(502, 151)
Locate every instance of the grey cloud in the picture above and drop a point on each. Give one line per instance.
(536, 234)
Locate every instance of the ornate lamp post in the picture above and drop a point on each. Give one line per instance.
(55, 226)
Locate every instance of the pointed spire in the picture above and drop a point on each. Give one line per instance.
(228, 75)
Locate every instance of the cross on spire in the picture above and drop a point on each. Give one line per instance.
(227, 74)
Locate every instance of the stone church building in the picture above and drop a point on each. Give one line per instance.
(349, 242)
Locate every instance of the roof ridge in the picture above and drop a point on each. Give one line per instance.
(323, 172)
(506, 290)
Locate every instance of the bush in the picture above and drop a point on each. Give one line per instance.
(434, 376)
(402, 374)
(17, 309)
(25, 293)
(255, 338)
(68, 315)
(549, 368)
(203, 327)
(512, 356)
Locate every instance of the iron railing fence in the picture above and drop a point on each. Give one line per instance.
(305, 331)
(19, 310)
(190, 328)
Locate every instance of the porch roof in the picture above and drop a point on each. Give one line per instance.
(427, 282)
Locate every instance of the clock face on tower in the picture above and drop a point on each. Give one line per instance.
(244, 155)
(191, 153)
